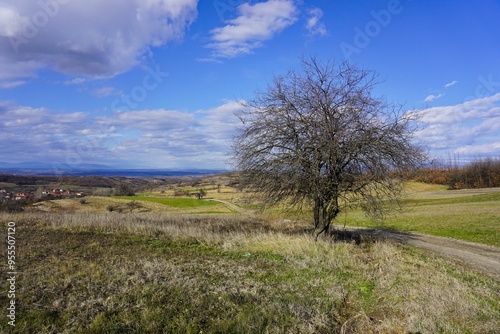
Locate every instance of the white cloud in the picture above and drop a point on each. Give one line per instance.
(159, 120)
(254, 25)
(37, 133)
(92, 38)
(431, 97)
(11, 23)
(75, 81)
(472, 127)
(157, 138)
(106, 91)
(313, 25)
(449, 84)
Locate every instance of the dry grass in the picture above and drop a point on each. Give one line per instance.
(163, 272)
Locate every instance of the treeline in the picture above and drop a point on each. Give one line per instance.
(481, 173)
(80, 181)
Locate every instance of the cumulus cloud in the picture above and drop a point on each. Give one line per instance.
(314, 25)
(431, 97)
(157, 138)
(472, 127)
(37, 133)
(254, 25)
(92, 38)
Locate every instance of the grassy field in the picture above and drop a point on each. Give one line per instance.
(176, 202)
(158, 265)
(471, 215)
(168, 273)
(123, 205)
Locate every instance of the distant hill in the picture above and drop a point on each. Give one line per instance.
(36, 165)
(48, 169)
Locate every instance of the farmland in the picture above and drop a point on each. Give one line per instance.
(177, 264)
(471, 215)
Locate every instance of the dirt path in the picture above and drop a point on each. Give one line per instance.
(478, 256)
(482, 257)
(232, 206)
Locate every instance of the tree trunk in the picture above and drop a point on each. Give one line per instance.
(324, 215)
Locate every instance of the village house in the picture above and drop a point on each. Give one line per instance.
(60, 193)
(4, 195)
(21, 196)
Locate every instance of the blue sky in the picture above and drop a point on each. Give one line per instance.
(155, 83)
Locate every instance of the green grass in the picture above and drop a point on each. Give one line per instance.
(460, 215)
(177, 202)
(221, 276)
(153, 272)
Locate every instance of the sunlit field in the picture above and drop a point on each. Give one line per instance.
(471, 215)
(151, 264)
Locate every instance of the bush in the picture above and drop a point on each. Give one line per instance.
(124, 190)
(12, 206)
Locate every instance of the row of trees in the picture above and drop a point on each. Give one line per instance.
(481, 173)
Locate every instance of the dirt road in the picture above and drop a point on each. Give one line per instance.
(482, 257)
(231, 206)
(478, 256)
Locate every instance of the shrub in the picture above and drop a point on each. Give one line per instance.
(124, 190)
(12, 206)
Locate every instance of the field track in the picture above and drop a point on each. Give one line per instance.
(477, 256)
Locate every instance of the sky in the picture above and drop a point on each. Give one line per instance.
(156, 83)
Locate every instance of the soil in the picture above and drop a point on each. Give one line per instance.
(481, 257)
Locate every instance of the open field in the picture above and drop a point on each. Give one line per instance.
(122, 204)
(162, 272)
(175, 202)
(156, 263)
(471, 215)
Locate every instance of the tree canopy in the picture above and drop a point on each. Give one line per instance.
(318, 137)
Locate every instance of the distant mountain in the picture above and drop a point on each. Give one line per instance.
(48, 169)
(36, 165)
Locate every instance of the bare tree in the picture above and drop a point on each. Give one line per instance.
(319, 138)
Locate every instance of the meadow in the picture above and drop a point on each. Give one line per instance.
(176, 202)
(469, 214)
(159, 267)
